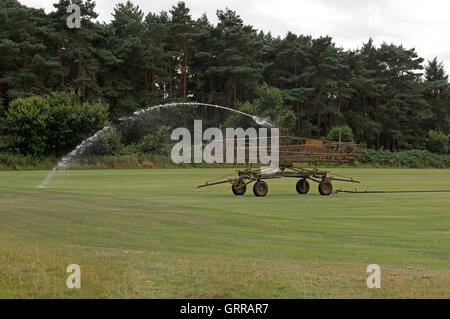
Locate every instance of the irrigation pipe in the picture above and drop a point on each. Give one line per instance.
(388, 192)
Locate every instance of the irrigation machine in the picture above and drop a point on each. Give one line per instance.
(295, 150)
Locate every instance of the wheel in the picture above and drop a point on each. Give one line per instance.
(260, 189)
(239, 190)
(302, 186)
(325, 187)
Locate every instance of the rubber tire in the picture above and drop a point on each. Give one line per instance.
(260, 189)
(240, 191)
(325, 187)
(302, 183)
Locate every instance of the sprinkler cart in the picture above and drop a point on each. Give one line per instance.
(296, 150)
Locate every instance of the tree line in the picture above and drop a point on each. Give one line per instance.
(389, 96)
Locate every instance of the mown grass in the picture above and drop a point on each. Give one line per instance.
(151, 234)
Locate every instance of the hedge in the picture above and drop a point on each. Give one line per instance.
(374, 158)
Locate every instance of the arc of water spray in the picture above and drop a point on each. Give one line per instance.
(257, 119)
(65, 161)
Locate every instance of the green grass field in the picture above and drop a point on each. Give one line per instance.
(149, 233)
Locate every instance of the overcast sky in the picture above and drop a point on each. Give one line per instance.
(423, 24)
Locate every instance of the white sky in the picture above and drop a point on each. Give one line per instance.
(423, 24)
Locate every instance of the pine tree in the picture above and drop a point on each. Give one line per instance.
(364, 111)
(291, 71)
(202, 56)
(437, 93)
(125, 76)
(75, 48)
(27, 66)
(328, 64)
(236, 65)
(137, 60)
(181, 29)
(405, 110)
(156, 39)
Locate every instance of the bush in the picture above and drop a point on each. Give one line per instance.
(131, 159)
(409, 158)
(4, 144)
(71, 122)
(19, 161)
(110, 143)
(52, 124)
(346, 134)
(26, 121)
(438, 142)
(268, 106)
(158, 144)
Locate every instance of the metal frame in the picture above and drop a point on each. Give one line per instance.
(298, 150)
(248, 176)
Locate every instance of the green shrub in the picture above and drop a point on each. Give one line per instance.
(71, 122)
(158, 144)
(111, 144)
(268, 106)
(26, 121)
(438, 142)
(4, 143)
(409, 158)
(19, 161)
(108, 144)
(346, 134)
(52, 124)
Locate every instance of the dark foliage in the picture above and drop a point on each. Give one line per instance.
(384, 94)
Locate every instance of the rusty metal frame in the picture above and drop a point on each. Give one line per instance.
(247, 176)
(298, 150)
